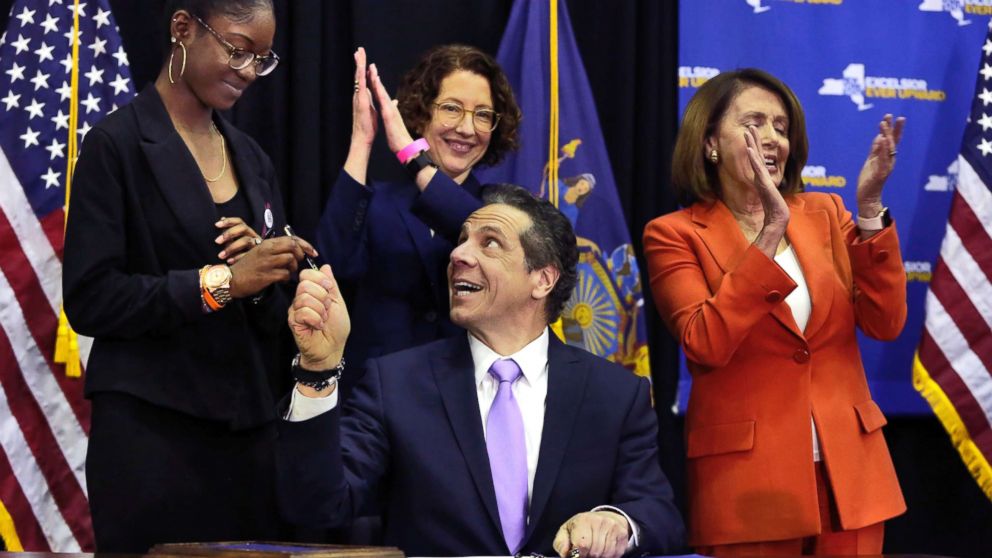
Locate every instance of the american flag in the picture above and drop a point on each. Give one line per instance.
(953, 369)
(44, 420)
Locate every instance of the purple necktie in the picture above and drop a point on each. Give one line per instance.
(508, 454)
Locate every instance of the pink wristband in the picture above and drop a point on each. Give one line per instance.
(412, 150)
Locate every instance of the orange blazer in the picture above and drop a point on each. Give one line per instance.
(757, 379)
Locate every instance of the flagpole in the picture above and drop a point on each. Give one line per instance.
(553, 112)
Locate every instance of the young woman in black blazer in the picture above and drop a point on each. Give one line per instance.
(173, 254)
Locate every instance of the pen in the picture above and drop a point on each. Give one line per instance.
(289, 232)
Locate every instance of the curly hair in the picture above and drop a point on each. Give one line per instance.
(549, 240)
(694, 177)
(421, 85)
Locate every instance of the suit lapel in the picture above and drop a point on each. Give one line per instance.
(421, 236)
(721, 235)
(717, 228)
(176, 174)
(815, 255)
(454, 373)
(419, 232)
(566, 389)
(249, 180)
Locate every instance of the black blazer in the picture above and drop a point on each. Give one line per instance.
(140, 226)
(412, 429)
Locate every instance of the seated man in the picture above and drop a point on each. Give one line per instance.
(502, 441)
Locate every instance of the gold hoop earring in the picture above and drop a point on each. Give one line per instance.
(714, 157)
(182, 66)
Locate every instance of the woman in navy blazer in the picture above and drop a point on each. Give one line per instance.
(389, 242)
(183, 366)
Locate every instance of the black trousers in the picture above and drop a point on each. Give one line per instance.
(156, 475)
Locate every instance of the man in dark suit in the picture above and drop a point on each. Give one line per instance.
(503, 441)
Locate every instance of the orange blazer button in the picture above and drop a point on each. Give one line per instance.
(773, 296)
(801, 356)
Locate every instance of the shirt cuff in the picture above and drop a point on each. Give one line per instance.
(634, 531)
(303, 408)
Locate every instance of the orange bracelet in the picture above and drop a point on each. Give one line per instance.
(209, 303)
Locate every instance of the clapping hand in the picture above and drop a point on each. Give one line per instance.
(879, 164)
(363, 119)
(397, 136)
(775, 209)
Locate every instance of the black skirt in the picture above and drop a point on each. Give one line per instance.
(156, 475)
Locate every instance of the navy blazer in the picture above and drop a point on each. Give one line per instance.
(413, 430)
(141, 225)
(378, 240)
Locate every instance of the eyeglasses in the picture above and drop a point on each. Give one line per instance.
(451, 114)
(239, 58)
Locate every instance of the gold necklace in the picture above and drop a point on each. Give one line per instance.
(223, 155)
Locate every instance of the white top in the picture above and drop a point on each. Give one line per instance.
(798, 300)
(801, 305)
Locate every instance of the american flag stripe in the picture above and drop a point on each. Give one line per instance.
(970, 230)
(32, 482)
(34, 243)
(24, 307)
(45, 392)
(960, 294)
(55, 433)
(975, 213)
(61, 484)
(962, 331)
(25, 524)
(969, 410)
(959, 354)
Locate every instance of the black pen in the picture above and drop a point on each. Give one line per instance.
(289, 232)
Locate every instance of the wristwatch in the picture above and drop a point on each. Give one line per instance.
(419, 163)
(215, 285)
(876, 223)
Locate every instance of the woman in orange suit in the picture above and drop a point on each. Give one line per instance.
(764, 286)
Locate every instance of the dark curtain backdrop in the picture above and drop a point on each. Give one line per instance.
(301, 116)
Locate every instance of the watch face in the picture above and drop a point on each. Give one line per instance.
(217, 275)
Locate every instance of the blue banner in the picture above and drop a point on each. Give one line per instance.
(850, 62)
(605, 313)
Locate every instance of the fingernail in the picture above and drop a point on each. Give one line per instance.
(219, 239)
(222, 255)
(219, 223)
